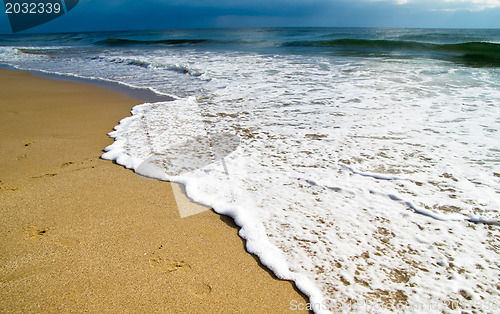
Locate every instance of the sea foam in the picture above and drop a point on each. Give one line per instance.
(367, 181)
(359, 181)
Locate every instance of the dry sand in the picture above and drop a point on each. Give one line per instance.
(81, 234)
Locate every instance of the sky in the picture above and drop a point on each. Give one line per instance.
(102, 15)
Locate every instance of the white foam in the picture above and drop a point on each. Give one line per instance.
(395, 228)
(359, 179)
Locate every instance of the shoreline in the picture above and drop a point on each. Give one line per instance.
(83, 234)
(141, 94)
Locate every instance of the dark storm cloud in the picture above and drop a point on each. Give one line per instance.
(93, 15)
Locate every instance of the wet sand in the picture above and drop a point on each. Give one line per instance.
(82, 234)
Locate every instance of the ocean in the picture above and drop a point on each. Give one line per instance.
(363, 164)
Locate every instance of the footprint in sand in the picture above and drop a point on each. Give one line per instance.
(168, 266)
(24, 156)
(4, 188)
(67, 167)
(159, 259)
(39, 233)
(200, 289)
(36, 232)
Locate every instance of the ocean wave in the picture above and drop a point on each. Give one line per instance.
(143, 63)
(169, 42)
(131, 61)
(472, 53)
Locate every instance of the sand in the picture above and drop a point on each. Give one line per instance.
(81, 234)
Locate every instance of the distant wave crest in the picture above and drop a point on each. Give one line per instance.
(171, 42)
(479, 53)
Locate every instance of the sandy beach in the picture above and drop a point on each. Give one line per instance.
(81, 234)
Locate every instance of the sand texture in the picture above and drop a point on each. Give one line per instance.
(81, 234)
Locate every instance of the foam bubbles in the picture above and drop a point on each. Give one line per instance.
(355, 179)
(359, 179)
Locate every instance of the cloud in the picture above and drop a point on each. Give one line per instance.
(473, 5)
(445, 5)
(95, 15)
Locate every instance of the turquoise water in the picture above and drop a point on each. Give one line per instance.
(481, 46)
